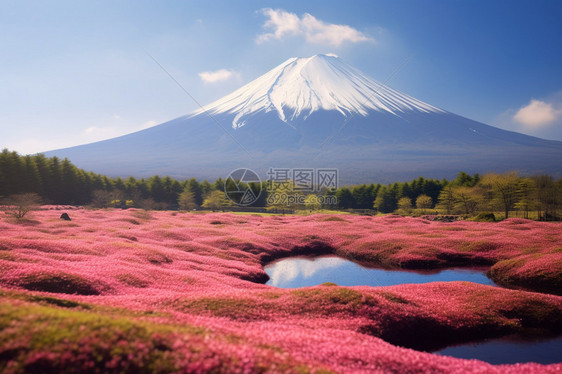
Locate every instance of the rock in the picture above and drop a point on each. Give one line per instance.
(65, 216)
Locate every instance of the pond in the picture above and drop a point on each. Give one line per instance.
(294, 272)
(509, 350)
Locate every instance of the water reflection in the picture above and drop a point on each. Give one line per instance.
(294, 272)
(297, 269)
(297, 272)
(509, 351)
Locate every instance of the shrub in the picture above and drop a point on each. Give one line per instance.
(19, 205)
(485, 217)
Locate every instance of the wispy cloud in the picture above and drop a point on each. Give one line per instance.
(217, 76)
(281, 24)
(538, 114)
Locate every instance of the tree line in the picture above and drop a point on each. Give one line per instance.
(58, 181)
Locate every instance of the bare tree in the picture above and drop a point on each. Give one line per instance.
(100, 199)
(19, 205)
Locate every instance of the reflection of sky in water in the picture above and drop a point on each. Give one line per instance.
(293, 269)
(296, 272)
(505, 351)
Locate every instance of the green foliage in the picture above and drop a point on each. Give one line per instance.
(186, 200)
(92, 340)
(404, 205)
(465, 180)
(485, 217)
(344, 198)
(386, 201)
(312, 202)
(503, 189)
(423, 202)
(215, 201)
(60, 182)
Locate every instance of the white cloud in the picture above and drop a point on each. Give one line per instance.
(537, 114)
(282, 24)
(217, 76)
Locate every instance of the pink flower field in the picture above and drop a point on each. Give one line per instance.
(134, 291)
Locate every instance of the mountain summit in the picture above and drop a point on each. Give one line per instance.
(301, 86)
(319, 112)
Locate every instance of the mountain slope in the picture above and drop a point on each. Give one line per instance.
(301, 86)
(319, 112)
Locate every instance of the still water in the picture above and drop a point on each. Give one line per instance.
(294, 272)
(509, 351)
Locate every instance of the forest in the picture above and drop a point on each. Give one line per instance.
(57, 181)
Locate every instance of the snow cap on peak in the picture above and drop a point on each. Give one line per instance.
(300, 86)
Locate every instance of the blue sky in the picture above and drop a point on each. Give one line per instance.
(73, 72)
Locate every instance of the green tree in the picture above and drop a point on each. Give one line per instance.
(206, 188)
(447, 199)
(215, 200)
(344, 198)
(157, 191)
(405, 205)
(386, 200)
(467, 199)
(503, 188)
(312, 202)
(32, 179)
(186, 200)
(526, 196)
(547, 195)
(466, 180)
(423, 202)
(363, 196)
(195, 187)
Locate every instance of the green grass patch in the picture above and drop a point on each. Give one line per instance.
(233, 308)
(334, 219)
(393, 297)
(329, 295)
(58, 283)
(47, 339)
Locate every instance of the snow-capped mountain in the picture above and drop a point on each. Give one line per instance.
(300, 86)
(319, 112)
